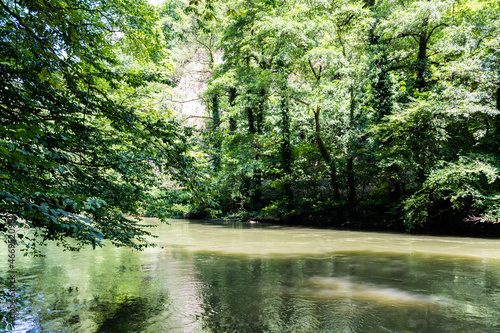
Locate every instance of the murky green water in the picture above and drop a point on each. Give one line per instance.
(249, 278)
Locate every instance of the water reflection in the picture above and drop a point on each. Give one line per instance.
(342, 288)
(127, 314)
(347, 293)
(183, 286)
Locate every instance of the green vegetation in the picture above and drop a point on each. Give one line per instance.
(369, 113)
(334, 112)
(82, 144)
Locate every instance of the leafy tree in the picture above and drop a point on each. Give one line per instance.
(80, 149)
(449, 134)
(388, 100)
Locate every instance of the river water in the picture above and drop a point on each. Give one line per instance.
(238, 277)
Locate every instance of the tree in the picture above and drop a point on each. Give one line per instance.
(448, 134)
(80, 150)
(388, 100)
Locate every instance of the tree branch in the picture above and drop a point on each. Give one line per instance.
(313, 70)
(433, 29)
(348, 20)
(300, 101)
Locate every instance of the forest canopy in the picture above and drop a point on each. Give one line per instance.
(359, 113)
(369, 113)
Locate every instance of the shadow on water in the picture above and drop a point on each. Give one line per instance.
(130, 314)
(64, 312)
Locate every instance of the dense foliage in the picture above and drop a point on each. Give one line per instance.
(81, 144)
(380, 111)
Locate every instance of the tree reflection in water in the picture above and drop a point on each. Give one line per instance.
(355, 292)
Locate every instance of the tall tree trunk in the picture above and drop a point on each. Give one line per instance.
(259, 117)
(325, 155)
(215, 126)
(350, 182)
(350, 151)
(496, 121)
(251, 120)
(232, 120)
(256, 179)
(255, 116)
(286, 152)
(383, 97)
(249, 182)
(258, 129)
(422, 63)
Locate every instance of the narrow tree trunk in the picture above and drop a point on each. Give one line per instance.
(350, 151)
(251, 121)
(255, 180)
(350, 181)
(422, 63)
(250, 185)
(496, 121)
(215, 126)
(383, 91)
(232, 120)
(325, 155)
(259, 126)
(259, 117)
(286, 152)
(255, 126)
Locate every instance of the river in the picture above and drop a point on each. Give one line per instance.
(237, 277)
